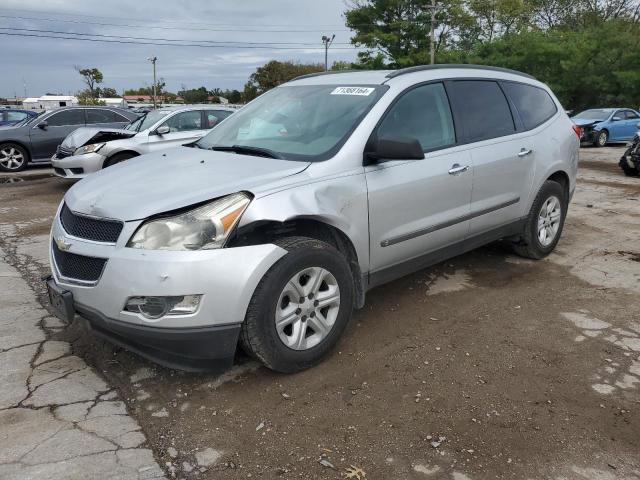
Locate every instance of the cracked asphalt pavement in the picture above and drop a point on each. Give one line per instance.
(485, 366)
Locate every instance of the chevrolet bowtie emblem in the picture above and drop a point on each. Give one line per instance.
(62, 243)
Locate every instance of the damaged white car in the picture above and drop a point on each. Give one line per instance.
(280, 219)
(87, 150)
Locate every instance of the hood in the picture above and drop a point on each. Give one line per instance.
(87, 135)
(172, 179)
(583, 122)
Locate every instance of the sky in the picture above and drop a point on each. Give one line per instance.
(47, 64)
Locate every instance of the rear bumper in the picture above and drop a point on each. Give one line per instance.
(192, 349)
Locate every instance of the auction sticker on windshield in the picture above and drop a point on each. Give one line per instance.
(364, 91)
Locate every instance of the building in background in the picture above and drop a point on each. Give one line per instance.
(49, 102)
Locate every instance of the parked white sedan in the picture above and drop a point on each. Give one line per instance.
(88, 150)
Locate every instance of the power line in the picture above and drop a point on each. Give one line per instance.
(226, 43)
(232, 28)
(262, 47)
(42, 12)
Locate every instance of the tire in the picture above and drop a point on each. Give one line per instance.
(601, 139)
(530, 244)
(626, 168)
(117, 158)
(13, 157)
(259, 335)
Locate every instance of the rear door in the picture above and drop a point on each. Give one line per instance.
(501, 151)
(44, 141)
(184, 127)
(417, 207)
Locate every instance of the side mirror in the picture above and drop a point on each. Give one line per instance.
(393, 148)
(616, 119)
(162, 130)
(43, 125)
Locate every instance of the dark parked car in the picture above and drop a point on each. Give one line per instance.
(35, 140)
(11, 116)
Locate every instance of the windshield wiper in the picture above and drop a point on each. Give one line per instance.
(247, 150)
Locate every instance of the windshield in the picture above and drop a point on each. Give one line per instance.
(307, 123)
(29, 119)
(595, 114)
(146, 120)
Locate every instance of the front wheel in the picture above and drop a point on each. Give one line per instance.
(301, 306)
(13, 157)
(544, 223)
(602, 139)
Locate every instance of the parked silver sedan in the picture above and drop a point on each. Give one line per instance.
(88, 150)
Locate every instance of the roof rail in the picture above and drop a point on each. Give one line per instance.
(328, 72)
(420, 68)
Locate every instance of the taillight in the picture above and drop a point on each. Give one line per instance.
(578, 130)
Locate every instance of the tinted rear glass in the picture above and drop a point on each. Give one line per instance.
(483, 109)
(534, 105)
(66, 117)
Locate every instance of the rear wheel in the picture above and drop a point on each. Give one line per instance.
(544, 223)
(602, 138)
(117, 158)
(13, 157)
(301, 306)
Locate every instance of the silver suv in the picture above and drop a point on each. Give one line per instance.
(89, 149)
(278, 221)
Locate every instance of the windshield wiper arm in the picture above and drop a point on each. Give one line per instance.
(247, 150)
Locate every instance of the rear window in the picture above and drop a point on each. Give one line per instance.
(534, 105)
(483, 109)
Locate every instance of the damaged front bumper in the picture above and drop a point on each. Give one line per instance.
(206, 339)
(77, 166)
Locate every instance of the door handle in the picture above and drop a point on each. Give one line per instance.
(524, 152)
(456, 168)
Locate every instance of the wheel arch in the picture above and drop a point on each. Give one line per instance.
(119, 152)
(265, 231)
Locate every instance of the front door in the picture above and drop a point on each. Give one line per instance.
(184, 127)
(417, 207)
(44, 141)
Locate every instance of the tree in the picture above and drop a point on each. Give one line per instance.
(275, 73)
(195, 95)
(108, 92)
(92, 77)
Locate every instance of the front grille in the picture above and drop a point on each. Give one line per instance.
(60, 171)
(78, 267)
(98, 230)
(62, 152)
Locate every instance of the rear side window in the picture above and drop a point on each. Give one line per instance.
(534, 105)
(96, 115)
(422, 113)
(483, 109)
(185, 121)
(215, 116)
(66, 117)
(631, 115)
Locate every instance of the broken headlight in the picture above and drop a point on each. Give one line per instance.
(94, 147)
(205, 227)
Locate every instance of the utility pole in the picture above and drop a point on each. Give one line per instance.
(433, 32)
(327, 42)
(153, 60)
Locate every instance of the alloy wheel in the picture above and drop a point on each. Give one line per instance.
(307, 308)
(549, 221)
(11, 158)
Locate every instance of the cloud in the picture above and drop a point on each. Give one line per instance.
(47, 64)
